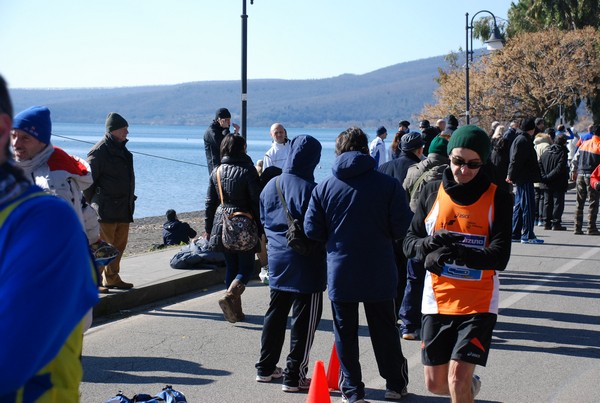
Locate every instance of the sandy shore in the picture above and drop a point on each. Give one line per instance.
(146, 232)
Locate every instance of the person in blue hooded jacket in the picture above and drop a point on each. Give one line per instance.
(297, 281)
(359, 213)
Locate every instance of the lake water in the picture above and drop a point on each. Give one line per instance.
(170, 163)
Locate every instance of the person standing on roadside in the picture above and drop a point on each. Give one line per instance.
(272, 163)
(112, 194)
(555, 181)
(377, 146)
(48, 283)
(584, 163)
(524, 171)
(57, 172)
(411, 145)
(297, 281)
(429, 133)
(238, 180)
(461, 230)
(418, 175)
(277, 154)
(360, 264)
(214, 135)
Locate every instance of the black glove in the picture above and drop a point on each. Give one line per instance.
(447, 238)
(434, 261)
(440, 238)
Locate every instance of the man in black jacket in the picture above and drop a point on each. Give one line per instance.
(524, 171)
(176, 232)
(113, 193)
(411, 145)
(214, 135)
(555, 180)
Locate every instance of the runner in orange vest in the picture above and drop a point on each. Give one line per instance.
(462, 231)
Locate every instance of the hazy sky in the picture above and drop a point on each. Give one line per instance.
(113, 43)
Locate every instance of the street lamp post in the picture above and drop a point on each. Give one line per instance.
(244, 66)
(495, 42)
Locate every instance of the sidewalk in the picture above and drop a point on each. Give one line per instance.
(154, 280)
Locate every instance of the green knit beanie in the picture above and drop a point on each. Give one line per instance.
(439, 145)
(471, 137)
(114, 121)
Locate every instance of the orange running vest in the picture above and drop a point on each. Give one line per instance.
(460, 290)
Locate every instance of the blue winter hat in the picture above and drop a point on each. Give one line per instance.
(35, 121)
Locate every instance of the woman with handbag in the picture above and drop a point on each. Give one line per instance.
(232, 220)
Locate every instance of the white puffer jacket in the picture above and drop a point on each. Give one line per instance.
(65, 176)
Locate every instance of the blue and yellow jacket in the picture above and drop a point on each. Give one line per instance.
(47, 284)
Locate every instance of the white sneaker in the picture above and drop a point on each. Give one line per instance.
(393, 395)
(278, 373)
(264, 275)
(303, 384)
(476, 385)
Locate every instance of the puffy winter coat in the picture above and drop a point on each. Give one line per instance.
(213, 136)
(241, 192)
(554, 168)
(65, 176)
(288, 270)
(523, 167)
(113, 192)
(359, 212)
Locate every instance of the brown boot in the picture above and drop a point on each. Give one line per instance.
(227, 306)
(237, 288)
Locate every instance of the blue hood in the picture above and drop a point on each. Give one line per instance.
(304, 156)
(351, 164)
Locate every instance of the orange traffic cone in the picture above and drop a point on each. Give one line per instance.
(333, 370)
(318, 392)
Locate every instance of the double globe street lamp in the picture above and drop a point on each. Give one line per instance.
(495, 42)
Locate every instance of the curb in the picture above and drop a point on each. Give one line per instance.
(190, 281)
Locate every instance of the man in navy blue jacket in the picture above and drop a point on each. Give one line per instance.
(297, 281)
(359, 212)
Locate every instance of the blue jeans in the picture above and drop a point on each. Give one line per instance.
(523, 211)
(239, 266)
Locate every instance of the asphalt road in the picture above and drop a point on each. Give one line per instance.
(546, 345)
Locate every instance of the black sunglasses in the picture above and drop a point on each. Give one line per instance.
(460, 163)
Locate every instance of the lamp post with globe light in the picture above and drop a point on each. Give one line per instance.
(495, 42)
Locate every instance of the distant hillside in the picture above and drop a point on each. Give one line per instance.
(383, 96)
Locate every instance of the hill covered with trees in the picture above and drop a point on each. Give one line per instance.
(384, 96)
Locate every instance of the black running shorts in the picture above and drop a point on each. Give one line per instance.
(456, 337)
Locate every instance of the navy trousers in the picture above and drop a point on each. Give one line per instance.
(410, 310)
(381, 319)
